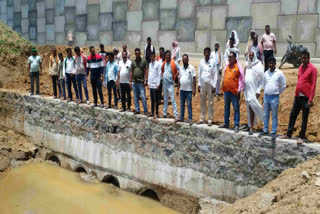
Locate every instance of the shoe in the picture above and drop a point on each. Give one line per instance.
(95, 105)
(176, 120)
(31, 94)
(223, 126)
(300, 141)
(190, 122)
(54, 97)
(263, 134)
(284, 137)
(180, 120)
(146, 114)
(37, 93)
(115, 108)
(122, 110)
(200, 122)
(155, 117)
(128, 109)
(236, 129)
(137, 112)
(101, 106)
(108, 106)
(250, 132)
(69, 100)
(164, 116)
(88, 103)
(273, 136)
(209, 123)
(78, 101)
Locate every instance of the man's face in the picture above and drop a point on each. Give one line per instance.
(124, 48)
(54, 51)
(124, 56)
(252, 34)
(231, 58)
(149, 41)
(207, 54)
(231, 42)
(267, 29)
(251, 55)
(168, 57)
(185, 60)
(216, 46)
(61, 57)
(232, 34)
(153, 57)
(101, 48)
(255, 39)
(69, 52)
(272, 65)
(78, 52)
(93, 51)
(138, 54)
(305, 59)
(161, 52)
(34, 53)
(111, 58)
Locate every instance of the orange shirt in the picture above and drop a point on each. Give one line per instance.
(231, 79)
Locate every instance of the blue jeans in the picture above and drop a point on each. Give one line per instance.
(62, 88)
(168, 90)
(185, 95)
(82, 80)
(228, 98)
(70, 79)
(139, 91)
(270, 103)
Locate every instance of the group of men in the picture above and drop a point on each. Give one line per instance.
(163, 73)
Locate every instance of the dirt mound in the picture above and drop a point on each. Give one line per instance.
(294, 191)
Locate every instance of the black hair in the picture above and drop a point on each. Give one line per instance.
(149, 39)
(272, 59)
(153, 53)
(207, 49)
(305, 52)
(101, 46)
(232, 39)
(233, 53)
(137, 49)
(91, 47)
(161, 48)
(76, 49)
(68, 49)
(185, 55)
(60, 54)
(267, 26)
(111, 54)
(167, 51)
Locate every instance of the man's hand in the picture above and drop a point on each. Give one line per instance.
(213, 90)
(238, 94)
(193, 92)
(310, 104)
(257, 95)
(199, 89)
(275, 51)
(145, 83)
(130, 84)
(157, 88)
(177, 93)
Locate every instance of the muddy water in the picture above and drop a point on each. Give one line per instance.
(40, 188)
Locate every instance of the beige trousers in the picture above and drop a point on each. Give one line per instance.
(206, 94)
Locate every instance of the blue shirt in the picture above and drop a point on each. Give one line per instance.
(167, 74)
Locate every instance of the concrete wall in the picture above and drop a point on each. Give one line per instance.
(197, 159)
(194, 23)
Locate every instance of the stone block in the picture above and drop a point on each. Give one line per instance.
(24, 11)
(236, 9)
(10, 23)
(219, 2)
(259, 16)
(32, 4)
(50, 16)
(10, 13)
(3, 18)
(105, 38)
(17, 5)
(41, 38)
(318, 11)
(204, 2)
(187, 8)
(307, 6)
(218, 17)
(93, 32)
(317, 40)
(71, 3)
(168, 4)
(105, 6)
(187, 47)
(119, 11)
(165, 39)
(281, 48)
(93, 2)
(17, 19)
(24, 26)
(17, 29)
(33, 17)
(50, 32)
(60, 38)
(185, 29)
(41, 25)
(202, 39)
(119, 30)
(150, 9)
(3, 7)
(10, 3)
(168, 19)
(93, 14)
(218, 36)
(241, 24)
(134, 19)
(288, 27)
(203, 18)
(289, 7)
(134, 4)
(41, 11)
(150, 29)
(81, 7)
(59, 23)
(310, 46)
(105, 22)
(60, 4)
(25, 35)
(306, 25)
(49, 4)
(81, 23)
(32, 32)
(69, 27)
(81, 38)
(133, 38)
(70, 14)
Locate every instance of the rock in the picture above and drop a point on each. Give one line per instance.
(312, 138)
(211, 206)
(305, 175)
(317, 183)
(4, 163)
(266, 200)
(89, 178)
(317, 174)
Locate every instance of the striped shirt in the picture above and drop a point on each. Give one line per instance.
(103, 55)
(95, 64)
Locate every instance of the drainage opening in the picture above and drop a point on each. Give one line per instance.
(80, 169)
(149, 193)
(55, 159)
(110, 179)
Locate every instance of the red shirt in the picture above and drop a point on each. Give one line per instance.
(307, 80)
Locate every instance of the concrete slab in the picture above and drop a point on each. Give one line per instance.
(69, 27)
(203, 18)
(24, 26)
(70, 14)
(32, 17)
(93, 15)
(218, 36)
(81, 23)
(33, 32)
(17, 19)
(3, 7)
(133, 38)
(165, 39)
(236, 9)
(60, 38)
(241, 24)
(150, 10)
(25, 35)
(59, 5)
(41, 11)
(105, 6)
(41, 25)
(168, 19)
(306, 25)
(24, 11)
(17, 5)
(41, 38)
(168, 4)
(93, 32)
(150, 29)
(219, 2)
(202, 40)
(81, 7)
(10, 13)
(288, 27)
(10, 23)
(71, 3)
(93, 2)
(204, 2)
(317, 40)
(119, 10)
(134, 4)
(185, 29)
(134, 19)
(3, 18)
(105, 38)
(187, 8)
(281, 48)
(32, 4)
(105, 22)
(50, 4)
(187, 47)
(81, 38)
(259, 16)
(59, 23)
(50, 16)
(17, 29)
(10, 3)
(289, 7)
(218, 17)
(119, 30)
(50, 33)
(307, 6)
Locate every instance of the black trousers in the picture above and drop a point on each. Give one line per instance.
(267, 54)
(96, 87)
(35, 76)
(298, 104)
(125, 95)
(112, 87)
(154, 100)
(55, 80)
(160, 93)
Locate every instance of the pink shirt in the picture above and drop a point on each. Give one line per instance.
(307, 80)
(267, 41)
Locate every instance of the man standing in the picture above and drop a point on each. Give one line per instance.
(169, 70)
(103, 55)
(257, 48)
(274, 84)
(232, 85)
(207, 85)
(216, 57)
(123, 78)
(138, 81)
(69, 72)
(148, 50)
(34, 66)
(95, 65)
(154, 78)
(110, 79)
(53, 71)
(70, 38)
(250, 41)
(187, 87)
(81, 74)
(268, 42)
(230, 49)
(305, 91)
(161, 58)
(124, 49)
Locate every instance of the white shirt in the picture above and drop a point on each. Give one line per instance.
(215, 57)
(207, 73)
(154, 75)
(274, 82)
(186, 77)
(68, 66)
(120, 55)
(34, 62)
(124, 69)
